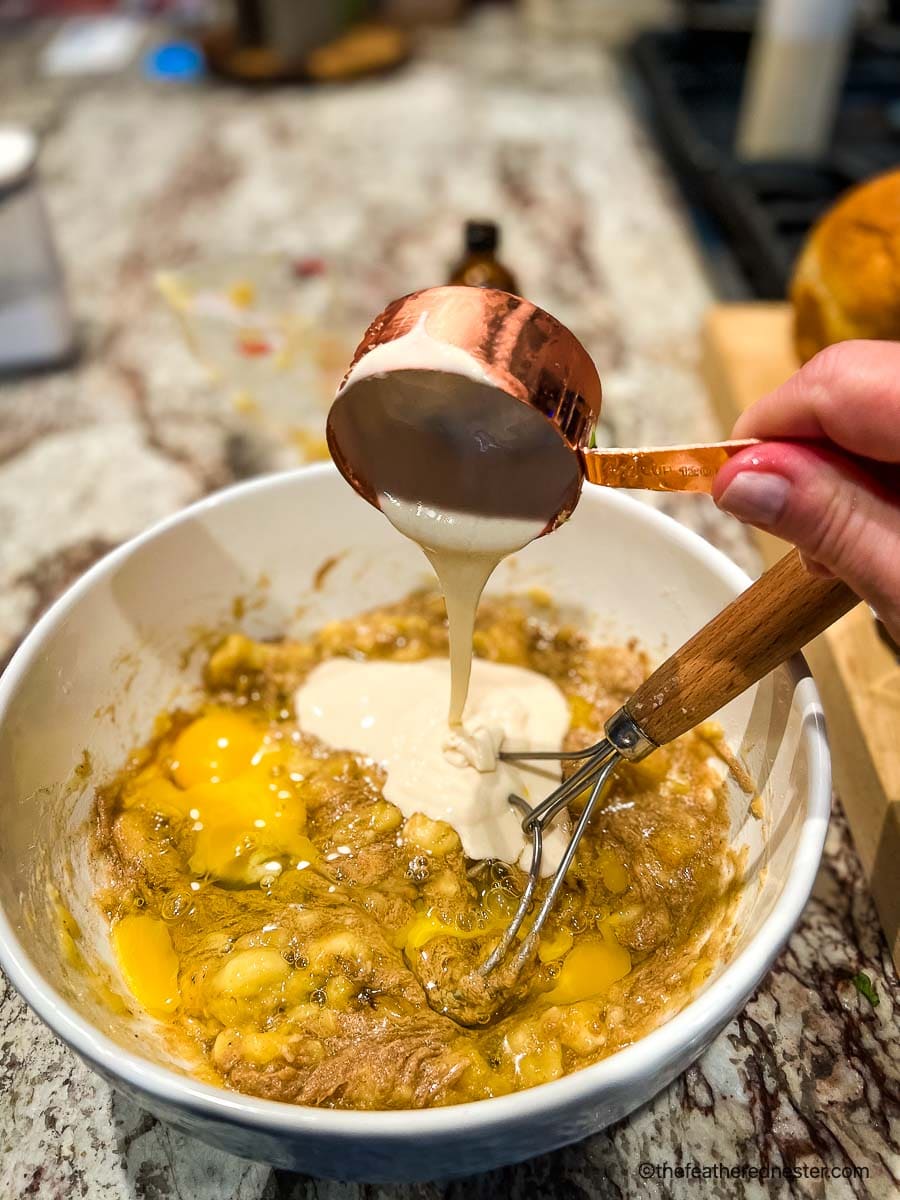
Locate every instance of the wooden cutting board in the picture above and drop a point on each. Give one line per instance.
(747, 351)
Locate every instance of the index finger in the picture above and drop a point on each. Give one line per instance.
(848, 394)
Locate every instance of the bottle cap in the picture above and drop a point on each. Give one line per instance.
(482, 237)
(175, 62)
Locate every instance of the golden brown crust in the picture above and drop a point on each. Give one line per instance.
(846, 282)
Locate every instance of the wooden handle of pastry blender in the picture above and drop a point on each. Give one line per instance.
(661, 468)
(774, 618)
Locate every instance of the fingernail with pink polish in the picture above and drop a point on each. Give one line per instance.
(757, 497)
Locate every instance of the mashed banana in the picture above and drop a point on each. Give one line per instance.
(306, 943)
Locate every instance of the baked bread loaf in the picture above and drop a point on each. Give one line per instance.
(846, 282)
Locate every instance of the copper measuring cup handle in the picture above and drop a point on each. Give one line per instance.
(661, 468)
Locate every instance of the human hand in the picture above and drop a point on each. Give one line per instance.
(836, 493)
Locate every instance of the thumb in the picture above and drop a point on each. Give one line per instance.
(841, 518)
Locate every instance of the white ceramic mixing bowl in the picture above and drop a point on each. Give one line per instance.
(109, 654)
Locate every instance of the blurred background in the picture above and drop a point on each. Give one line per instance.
(204, 202)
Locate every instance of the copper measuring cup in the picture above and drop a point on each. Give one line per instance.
(523, 354)
(531, 357)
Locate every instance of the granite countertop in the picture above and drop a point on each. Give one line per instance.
(485, 120)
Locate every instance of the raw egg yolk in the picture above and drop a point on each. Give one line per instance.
(590, 967)
(243, 812)
(215, 748)
(247, 817)
(148, 962)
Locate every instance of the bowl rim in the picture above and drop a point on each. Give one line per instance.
(694, 1024)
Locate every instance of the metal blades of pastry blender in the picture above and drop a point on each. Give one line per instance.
(592, 774)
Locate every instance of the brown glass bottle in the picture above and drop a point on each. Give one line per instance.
(479, 267)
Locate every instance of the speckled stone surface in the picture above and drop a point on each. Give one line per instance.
(381, 174)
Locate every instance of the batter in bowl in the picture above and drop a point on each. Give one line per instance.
(295, 929)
